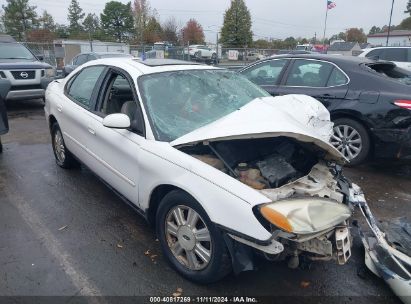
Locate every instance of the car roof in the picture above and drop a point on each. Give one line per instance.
(332, 58)
(150, 66)
(389, 47)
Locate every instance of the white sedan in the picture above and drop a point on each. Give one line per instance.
(220, 168)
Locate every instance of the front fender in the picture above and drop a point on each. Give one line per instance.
(225, 199)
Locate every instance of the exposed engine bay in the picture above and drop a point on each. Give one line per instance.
(282, 168)
(266, 163)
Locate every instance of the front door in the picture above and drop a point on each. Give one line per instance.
(117, 151)
(267, 74)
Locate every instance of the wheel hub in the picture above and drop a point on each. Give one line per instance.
(186, 238)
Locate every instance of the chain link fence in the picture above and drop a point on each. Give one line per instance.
(61, 53)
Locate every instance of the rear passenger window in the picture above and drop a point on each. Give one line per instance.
(375, 54)
(309, 73)
(337, 78)
(394, 54)
(81, 88)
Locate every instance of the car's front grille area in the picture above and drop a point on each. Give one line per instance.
(23, 75)
(25, 87)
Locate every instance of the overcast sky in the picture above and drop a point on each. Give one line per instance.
(271, 18)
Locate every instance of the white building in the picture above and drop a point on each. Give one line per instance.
(397, 38)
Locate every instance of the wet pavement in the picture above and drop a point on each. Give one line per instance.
(63, 232)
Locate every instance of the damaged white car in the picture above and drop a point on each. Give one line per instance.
(222, 169)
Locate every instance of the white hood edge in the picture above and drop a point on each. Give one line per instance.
(296, 116)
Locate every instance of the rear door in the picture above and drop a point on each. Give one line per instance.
(322, 80)
(267, 74)
(73, 110)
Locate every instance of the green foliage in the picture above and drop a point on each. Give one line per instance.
(236, 31)
(117, 20)
(75, 17)
(374, 30)
(408, 10)
(91, 24)
(405, 24)
(62, 31)
(19, 17)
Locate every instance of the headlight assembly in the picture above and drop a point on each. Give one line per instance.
(305, 215)
(50, 72)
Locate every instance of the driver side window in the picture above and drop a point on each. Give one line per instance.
(118, 97)
(266, 73)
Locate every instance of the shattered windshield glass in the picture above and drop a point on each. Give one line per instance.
(391, 71)
(179, 102)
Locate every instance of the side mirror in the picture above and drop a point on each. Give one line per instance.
(117, 121)
(40, 57)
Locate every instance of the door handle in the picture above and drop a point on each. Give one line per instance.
(91, 130)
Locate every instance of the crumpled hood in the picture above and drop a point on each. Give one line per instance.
(296, 116)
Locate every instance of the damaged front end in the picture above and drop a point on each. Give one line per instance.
(310, 210)
(387, 254)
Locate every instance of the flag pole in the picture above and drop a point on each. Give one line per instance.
(325, 23)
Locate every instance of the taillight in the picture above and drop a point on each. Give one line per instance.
(406, 104)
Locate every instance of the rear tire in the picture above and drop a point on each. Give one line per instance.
(185, 241)
(63, 156)
(352, 140)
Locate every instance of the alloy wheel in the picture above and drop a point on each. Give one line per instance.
(347, 140)
(59, 147)
(188, 237)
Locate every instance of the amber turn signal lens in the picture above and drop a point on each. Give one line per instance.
(276, 218)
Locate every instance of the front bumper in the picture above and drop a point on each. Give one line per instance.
(28, 90)
(385, 261)
(394, 143)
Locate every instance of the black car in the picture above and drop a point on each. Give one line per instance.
(369, 101)
(86, 57)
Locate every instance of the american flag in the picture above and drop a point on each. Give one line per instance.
(331, 5)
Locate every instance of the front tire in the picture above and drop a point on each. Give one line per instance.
(351, 139)
(191, 243)
(63, 156)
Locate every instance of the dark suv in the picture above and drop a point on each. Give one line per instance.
(22, 74)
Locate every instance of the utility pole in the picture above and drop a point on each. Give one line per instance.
(389, 25)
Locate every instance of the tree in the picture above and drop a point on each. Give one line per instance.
(19, 17)
(236, 30)
(262, 44)
(142, 12)
(153, 31)
(62, 31)
(405, 24)
(374, 30)
(290, 43)
(192, 33)
(91, 24)
(117, 20)
(46, 22)
(75, 17)
(356, 35)
(170, 30)
(408, 10)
